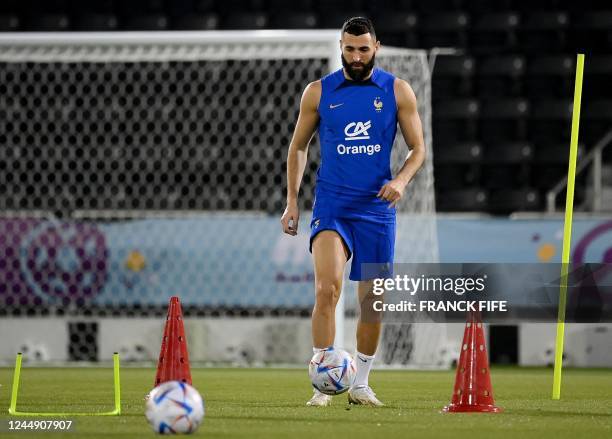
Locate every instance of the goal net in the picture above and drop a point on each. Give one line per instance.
(144, 165)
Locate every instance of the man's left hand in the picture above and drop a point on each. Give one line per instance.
(392, 192)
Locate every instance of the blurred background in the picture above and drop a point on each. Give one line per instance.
(138, 166)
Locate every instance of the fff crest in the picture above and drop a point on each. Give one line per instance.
(378, 105)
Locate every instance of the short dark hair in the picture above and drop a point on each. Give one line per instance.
(359, 26)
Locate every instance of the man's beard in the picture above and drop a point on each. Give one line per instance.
(358, 74)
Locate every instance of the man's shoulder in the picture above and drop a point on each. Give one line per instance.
(314, 85)
(311, 95)
(400, 83)
(332, 79)
(313, 89)
(404, 95)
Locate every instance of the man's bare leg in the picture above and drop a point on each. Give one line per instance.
(330, 255)
(369, 324)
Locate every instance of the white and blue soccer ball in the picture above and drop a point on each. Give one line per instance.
(174, 407)
(332, 371)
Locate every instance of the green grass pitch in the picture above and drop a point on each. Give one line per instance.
(269, 403)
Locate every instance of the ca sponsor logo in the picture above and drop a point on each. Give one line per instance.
(357, 130)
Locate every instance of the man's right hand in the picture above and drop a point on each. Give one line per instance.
(290, 218)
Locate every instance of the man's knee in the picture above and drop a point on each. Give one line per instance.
(327, 293)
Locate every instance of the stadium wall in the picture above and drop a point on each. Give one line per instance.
(208, 266)
(233, 261)
(255, 341)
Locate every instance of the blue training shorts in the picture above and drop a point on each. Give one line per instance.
(368, 241)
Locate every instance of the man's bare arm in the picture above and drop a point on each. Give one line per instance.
(410, 126)
(297, 156)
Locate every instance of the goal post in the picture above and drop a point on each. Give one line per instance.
(155, 164)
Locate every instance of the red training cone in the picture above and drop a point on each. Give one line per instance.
(473, 391)
(173, 363)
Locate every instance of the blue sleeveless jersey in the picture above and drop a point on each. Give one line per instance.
(357, 127)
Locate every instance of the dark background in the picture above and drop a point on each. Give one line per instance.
(502, 108)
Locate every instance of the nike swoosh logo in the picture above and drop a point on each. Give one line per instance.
(332, 106)
(365, 361)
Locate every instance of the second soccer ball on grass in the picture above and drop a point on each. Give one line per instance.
(174, 407)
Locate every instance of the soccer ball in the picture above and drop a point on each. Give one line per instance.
(174, 407)
(332, 371)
